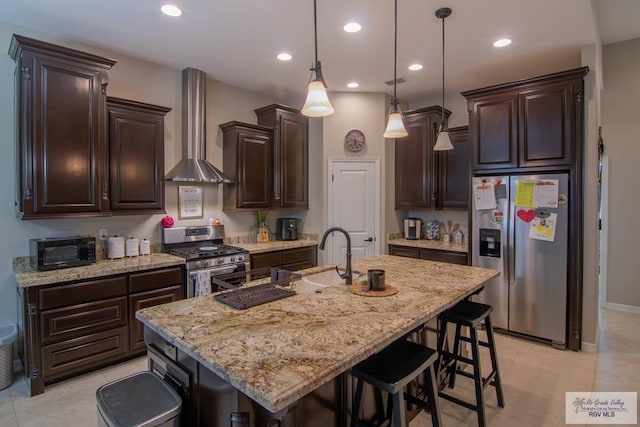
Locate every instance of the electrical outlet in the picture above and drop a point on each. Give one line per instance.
(103, 233)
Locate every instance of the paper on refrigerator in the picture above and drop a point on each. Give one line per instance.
(542, 193)
(484, 194)
(545, 193)
(544, 228)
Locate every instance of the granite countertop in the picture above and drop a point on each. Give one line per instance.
(277, 353)
(28, 277)
(276, 245)
(431, 244)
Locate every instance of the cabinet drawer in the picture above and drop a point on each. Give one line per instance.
(299, 254)
(71, 322)
(295, 266)
(143, 300)
(78, 354)
(404, 251)
(78, 293)
(267, 259)
(444, 256)
(141, 282)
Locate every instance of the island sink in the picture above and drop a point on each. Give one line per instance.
(326, 278)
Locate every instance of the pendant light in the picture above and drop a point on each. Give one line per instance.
(443, 142)
(317, 103)
(395, 122)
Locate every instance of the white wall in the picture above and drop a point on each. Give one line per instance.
(139, 80)
(621, 134)
(592, 90)
(365, 112)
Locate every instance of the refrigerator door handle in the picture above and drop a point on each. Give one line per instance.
(511, 252)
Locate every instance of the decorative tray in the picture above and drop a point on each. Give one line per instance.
(389, 290)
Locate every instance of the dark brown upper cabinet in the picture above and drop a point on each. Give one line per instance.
(248, 162)
(290, 155)
(427, 178)
(529, 123)
(455, 170)
(61, 133)
(136, 156)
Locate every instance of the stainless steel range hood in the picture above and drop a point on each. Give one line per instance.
(194, 167)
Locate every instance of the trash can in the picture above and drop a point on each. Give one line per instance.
(142, 400)
(8, 335)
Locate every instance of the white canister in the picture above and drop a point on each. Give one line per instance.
(132, 247)
(145, 247)
(115, 247)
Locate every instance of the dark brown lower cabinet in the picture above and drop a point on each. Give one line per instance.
(287, 259)
(451, 257)
(80, 354)
(144, 300)
(66, 329)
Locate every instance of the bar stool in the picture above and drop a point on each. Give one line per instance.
(472, 315)
(391, 370)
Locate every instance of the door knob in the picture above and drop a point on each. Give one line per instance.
(370, 239)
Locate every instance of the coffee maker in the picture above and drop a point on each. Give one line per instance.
(287, 229)
(412, 228)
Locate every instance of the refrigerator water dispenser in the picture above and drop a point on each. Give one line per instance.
(489, 242)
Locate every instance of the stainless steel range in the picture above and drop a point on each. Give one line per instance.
(206, 255)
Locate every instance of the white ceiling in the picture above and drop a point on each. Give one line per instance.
(236, 41)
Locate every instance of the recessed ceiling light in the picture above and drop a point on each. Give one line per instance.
(171, 10)
(352, 85)
(284, 56)
(415, 67)
(352, 27)
(502, 43)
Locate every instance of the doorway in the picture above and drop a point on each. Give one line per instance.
(354, 204)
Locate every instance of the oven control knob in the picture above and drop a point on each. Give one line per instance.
(220, 260)
(197, 264)
(240, 257)
(233, 259)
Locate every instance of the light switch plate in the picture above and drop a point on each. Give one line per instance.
(102, 233)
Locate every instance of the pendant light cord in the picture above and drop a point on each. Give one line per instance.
(442, 124)
(395, 56)
(315, 30)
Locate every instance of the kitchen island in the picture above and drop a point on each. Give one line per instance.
(278, 353)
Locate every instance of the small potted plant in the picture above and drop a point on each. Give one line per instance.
(263, 229)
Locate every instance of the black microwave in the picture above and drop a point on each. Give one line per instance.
(62, 252)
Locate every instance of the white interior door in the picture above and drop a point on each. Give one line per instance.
(354, 194)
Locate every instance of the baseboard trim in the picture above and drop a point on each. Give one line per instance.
(589, 347)
(623, 307)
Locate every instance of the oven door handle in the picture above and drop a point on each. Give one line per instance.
(219, 270)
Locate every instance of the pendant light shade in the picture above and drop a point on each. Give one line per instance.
(443, 142)
(395, 124)
(317, 103)
(395, 121)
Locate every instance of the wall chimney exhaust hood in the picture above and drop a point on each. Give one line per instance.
(194, 167)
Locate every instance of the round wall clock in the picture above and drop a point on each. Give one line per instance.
(354, 140)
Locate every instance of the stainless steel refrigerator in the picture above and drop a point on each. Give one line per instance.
(530, 295)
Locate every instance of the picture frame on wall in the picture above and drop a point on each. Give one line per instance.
(190, 202)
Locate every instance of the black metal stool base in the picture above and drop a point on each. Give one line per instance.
(471, 315)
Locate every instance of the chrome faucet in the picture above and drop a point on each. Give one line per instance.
(347, 275)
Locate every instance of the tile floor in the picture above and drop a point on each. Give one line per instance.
(535, 378)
